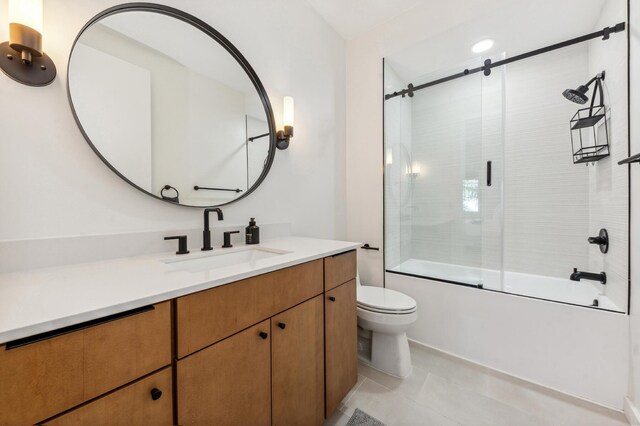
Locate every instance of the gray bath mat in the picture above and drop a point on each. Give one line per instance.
(360, 418)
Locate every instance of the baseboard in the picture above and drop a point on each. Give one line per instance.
(520, 379)
(632, 412)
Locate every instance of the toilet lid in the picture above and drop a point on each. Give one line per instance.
(380, 299)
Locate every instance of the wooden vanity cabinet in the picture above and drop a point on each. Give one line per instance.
(296, 373)
(297, 365)
(228, 383)
(276, 349)
(146, 402)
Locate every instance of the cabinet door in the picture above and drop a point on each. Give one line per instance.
(297, 363)
(341, 334)
(228, 383)
(145, 402)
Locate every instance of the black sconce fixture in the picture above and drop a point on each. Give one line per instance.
(284, 136)
(589, 136)
(22, 58)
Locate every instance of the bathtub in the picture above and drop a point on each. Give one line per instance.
(583, 293)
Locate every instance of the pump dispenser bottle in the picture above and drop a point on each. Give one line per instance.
(253, 232)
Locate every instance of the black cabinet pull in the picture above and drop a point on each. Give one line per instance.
(488, 173)
(156, 394)
(333, 299)
(263, 335)
(282, 325)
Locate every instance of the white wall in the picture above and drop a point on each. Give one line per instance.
(575, 350)
(53, 185)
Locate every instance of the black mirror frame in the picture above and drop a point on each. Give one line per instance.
(229, 47)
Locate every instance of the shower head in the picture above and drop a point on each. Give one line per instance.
(579, 95)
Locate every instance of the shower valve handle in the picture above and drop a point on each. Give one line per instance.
(602, 240)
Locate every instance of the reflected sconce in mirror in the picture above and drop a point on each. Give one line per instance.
(414, 170)
(285, 135)
(22, 58)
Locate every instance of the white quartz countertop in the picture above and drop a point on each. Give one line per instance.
(41, 300)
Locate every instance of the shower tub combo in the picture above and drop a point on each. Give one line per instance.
(522, 284)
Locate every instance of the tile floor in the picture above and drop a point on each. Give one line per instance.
(445, 391)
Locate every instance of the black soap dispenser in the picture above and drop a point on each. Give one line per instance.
(253, 232)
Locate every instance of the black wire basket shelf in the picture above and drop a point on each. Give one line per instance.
(590, 135)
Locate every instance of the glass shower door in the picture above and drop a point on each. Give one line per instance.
(441, 188)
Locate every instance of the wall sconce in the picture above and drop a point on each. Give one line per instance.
(414, 170)
(22, 58)
(389, 157)
(285, 135)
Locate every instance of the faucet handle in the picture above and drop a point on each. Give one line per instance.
(227, 238)
(182, 243)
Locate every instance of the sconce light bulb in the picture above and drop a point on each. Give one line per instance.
(287, 113)
(27, 12)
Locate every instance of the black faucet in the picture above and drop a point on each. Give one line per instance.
(206, 234)
(227, 238)
(579, 275)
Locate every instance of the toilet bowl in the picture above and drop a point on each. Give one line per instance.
(384, 315)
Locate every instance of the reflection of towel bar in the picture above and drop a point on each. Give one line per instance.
(197, 188)
(253, 138)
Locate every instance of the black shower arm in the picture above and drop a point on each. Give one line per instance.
(597, 89)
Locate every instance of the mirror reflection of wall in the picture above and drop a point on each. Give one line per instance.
(161, 116)
(526, 231)
(257, 147)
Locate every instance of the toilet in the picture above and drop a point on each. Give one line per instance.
(384, 315)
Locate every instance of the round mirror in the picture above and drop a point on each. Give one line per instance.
(171, 106)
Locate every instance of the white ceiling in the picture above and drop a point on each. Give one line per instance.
(516, 27)
(183, 43)
(351, 18)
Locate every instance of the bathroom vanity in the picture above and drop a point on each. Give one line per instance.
(269, 341)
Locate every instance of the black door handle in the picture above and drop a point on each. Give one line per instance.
(333, 299)
(156, 394)
(488, 173)
(263, 335)
(282, 325)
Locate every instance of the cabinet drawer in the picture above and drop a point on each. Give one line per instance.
(131, 405)
(44, 378)
(339, 269)
(209, 316)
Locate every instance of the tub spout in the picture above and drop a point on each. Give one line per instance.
(580, 275)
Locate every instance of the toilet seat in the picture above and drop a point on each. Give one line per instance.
(385, 301)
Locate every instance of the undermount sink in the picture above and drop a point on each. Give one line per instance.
(220, 259)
